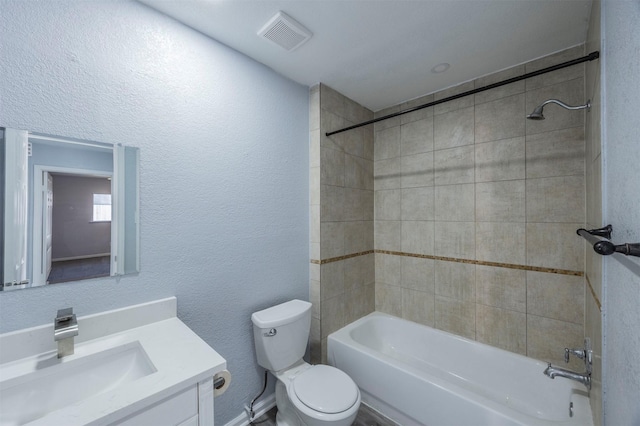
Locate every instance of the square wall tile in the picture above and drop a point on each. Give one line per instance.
(332, 100)
(455, 203)
(358, 236)
(329, 122)
(314, 297)
(556, 296)
(500, 160)
(359, 301)
(417, 137)
(314, 148)
(555, 245)
(556, 199)
(418, 306)
(331, 167)
(417, 273)
(502, 242)
(389, 299)
(417, 170)
(354, 141)
(367, 142)
(454, 166)
(388, 235)
(500, 201)
(547, 338)
(358, 172)
(501, 287)
(453, 129)
(333, 315)
(354, 272)
(387, 174)
(314, 108)
(331, 239)
(556, 153)
(388, 269)
(353, 208)
(331, 203)
(388, 204)
(455, 239)
(387, 144)
(417, 237)
(314, 185)
(456, 316)
(418, 203)
(331, 280)
(502, 328)
(455, 280)
(500, 119)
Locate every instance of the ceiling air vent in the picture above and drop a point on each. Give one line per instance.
(285, 31)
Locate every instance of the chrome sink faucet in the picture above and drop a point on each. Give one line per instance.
(585, 354)
(65, 327)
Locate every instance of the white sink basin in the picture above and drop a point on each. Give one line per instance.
(32, 388)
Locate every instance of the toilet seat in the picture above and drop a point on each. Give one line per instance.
(325, 389)
(313, 394)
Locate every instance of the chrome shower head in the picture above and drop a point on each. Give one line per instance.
(537, 112)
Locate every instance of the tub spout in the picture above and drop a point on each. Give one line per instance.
(584, 378)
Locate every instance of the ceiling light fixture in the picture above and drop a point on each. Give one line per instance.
(440, 68)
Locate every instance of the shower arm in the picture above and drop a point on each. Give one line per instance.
(563, 105)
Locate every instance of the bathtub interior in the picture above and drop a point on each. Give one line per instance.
(471, 368)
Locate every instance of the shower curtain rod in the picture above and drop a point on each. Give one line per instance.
(590, 57)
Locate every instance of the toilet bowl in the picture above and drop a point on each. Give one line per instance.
(315, 395)
(306, 395)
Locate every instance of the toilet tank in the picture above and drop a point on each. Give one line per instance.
(281, 334)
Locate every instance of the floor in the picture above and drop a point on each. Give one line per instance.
(79, 269)
(366, 417)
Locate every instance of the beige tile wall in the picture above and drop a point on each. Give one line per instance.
(472, 179)
(341, 218)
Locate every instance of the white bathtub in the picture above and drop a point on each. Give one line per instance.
(417, 375)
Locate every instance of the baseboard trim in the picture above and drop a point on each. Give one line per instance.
(259, 409)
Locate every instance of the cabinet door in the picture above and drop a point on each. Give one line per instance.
(174, 410)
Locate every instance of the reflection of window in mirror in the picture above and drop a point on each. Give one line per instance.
(101, 208)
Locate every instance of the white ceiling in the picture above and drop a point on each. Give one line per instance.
(380, 52)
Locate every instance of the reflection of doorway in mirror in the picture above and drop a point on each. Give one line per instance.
(68, 243)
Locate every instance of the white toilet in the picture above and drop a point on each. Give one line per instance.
(306, 395)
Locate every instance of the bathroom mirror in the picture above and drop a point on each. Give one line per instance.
(69, 209)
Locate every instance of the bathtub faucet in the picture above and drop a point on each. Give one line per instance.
(584, 354)
(584, 378)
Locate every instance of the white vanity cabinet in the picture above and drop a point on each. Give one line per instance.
(134, 366)
(190, 407)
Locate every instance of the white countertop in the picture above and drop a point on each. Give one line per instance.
(180, 357)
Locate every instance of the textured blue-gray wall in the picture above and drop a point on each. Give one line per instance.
(621, 208)
(224, 165)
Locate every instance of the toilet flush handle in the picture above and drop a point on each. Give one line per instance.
(271, 333)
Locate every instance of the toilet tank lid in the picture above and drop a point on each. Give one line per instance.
(281, 314)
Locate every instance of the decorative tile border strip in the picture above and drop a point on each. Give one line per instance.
(457, 260)
(345, 257)
(593, 293)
